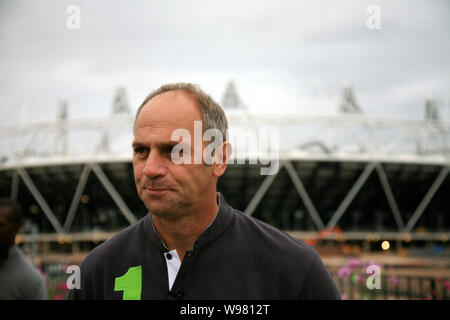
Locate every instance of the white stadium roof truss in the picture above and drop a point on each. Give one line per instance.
(343, 138)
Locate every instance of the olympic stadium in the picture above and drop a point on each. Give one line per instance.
(348, 184)
(341, 178)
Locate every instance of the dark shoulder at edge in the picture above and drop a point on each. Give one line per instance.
(114, 245)
(284, 240)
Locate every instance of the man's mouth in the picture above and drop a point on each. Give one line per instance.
(157, 191)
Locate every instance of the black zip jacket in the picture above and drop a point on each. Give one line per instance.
(236, 257)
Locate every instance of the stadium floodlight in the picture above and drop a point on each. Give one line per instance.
(120, 102)
(431, 110)
(231, 99)
(348, 102)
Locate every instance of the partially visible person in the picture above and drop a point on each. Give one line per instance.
(192, 244)
(19, 279)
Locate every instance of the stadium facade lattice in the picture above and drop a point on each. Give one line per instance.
(369, 178)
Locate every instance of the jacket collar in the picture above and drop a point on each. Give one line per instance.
(215, 229)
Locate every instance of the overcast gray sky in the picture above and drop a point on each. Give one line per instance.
(284, 56)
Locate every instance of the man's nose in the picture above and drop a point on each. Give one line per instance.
(154, 166)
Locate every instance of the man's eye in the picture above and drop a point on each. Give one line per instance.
(141, 150)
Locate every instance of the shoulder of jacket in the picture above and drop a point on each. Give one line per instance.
(111, 248)
(273, 236)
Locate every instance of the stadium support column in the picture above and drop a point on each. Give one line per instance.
(351, 195)
(426, 200)
(390, 197)
(76, 198)
(253, 204)
(40, 200)
(113, 193)
(304, 196)
(15, 185)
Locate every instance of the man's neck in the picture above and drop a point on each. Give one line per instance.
(181, 234)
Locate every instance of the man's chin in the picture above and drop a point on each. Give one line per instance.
(165, 206)
(158, 207)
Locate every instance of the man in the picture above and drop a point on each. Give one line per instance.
(19, 280)
(192, 244)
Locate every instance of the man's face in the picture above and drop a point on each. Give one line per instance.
(168, 189)
(8, 228)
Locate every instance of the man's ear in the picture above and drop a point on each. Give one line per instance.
(222, 156)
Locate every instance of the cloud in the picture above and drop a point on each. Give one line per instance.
(285, 56)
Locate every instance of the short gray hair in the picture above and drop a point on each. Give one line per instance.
(213, 115)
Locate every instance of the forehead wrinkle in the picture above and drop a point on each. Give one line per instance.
(160, 131)
(174, 106)
(155, 135)
(163, 114)
(161, 124)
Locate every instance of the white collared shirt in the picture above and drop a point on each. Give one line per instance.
(173, 261)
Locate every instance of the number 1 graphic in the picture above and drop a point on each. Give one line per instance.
(130, 283)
